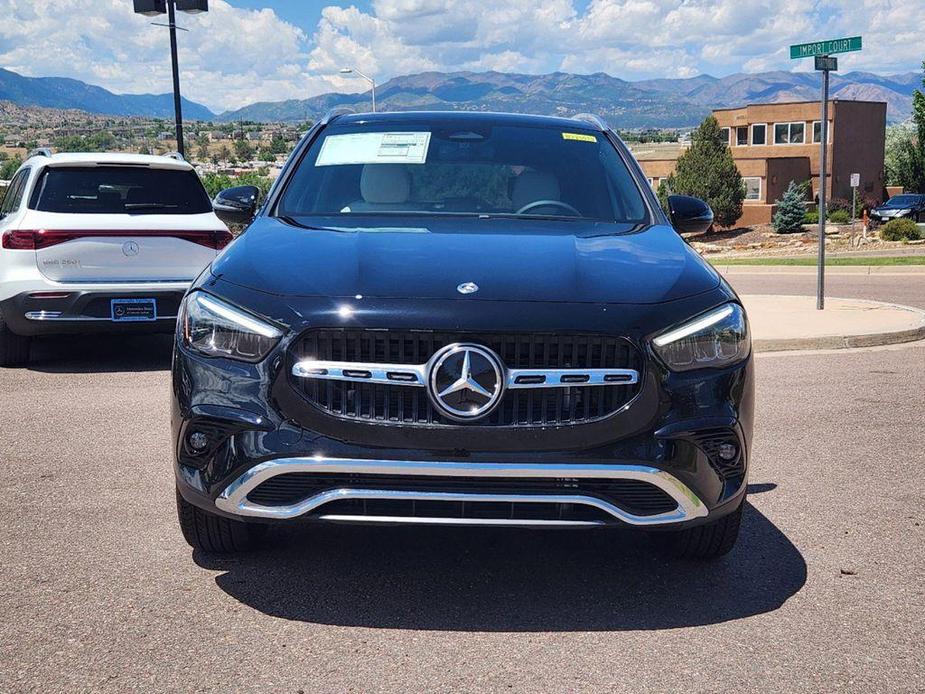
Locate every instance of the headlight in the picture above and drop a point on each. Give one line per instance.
(716, 339)
(218, 329)
(902, 213)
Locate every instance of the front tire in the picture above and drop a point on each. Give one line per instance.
(14, 349)
(209, 532)
(704, 542)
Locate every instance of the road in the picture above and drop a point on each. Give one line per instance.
(824, 592)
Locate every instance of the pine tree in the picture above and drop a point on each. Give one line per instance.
(707, 171)
(790, 210)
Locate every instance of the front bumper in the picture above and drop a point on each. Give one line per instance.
(259, 431)
(54, 311)
(235, 498)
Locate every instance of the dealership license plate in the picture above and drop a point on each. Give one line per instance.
(133, 310)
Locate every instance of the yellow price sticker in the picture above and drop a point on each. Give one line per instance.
(580, 137)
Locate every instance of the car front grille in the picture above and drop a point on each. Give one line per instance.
(635, 496)
(523, 407)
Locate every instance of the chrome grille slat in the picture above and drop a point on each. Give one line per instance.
(375, 397)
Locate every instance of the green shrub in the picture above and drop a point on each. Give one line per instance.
(903, 229)
(788, 218)
(811, 217)
(839, 216)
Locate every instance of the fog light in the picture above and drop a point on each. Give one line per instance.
(728, 451)
(198, 441)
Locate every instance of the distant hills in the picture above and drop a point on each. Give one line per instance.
(65, 93)
(646, 103)
(640, 104)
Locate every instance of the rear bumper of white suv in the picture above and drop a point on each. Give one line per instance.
(56, 309)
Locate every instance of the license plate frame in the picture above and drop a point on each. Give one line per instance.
(135, 310)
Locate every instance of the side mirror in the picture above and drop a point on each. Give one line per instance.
(689, 215)
(236, 205)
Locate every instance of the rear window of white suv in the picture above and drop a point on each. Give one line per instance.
(120, 190)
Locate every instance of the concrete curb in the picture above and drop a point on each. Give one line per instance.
(848, 341)
(893, 270)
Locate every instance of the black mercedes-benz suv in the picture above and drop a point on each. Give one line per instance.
(462, 318)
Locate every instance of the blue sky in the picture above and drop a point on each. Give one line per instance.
(243, 51)
(304, 14)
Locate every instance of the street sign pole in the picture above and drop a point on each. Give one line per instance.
(825, 65)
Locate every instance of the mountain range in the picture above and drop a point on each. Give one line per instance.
(672, 102)
(65, 93)
(647, 103)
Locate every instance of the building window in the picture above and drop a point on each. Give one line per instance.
(741, 136)
(817, 132)
(752, 187)
(759, 134)
(651, 181)
(789, 133)
(724, 135)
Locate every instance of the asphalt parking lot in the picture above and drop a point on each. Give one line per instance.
(824, 592)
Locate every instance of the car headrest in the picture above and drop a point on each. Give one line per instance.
(385, 183)
(532, 186)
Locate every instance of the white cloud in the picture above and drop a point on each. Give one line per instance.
(229, 56)
(234, 56)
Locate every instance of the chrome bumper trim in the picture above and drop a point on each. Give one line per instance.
(58, 316)
(234, 499)
(416, 375)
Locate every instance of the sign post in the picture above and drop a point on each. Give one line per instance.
(821, 51)
(855, 182)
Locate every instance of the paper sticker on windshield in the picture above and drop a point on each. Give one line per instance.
(580, 137)
(374, 148)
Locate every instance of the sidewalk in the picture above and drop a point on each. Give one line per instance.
(792, 323)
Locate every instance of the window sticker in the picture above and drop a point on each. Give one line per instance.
(580, 137)
(374, 148)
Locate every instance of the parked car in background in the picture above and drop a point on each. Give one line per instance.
(910, 205)
(100, 242)
(462, 319)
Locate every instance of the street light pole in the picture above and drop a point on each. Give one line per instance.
(372, 82)
(177, 106)
(153, 8)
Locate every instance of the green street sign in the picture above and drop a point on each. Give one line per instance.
(808, 50)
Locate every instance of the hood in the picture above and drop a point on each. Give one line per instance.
(509, 260)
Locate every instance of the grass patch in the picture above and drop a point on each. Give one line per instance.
(829, 262)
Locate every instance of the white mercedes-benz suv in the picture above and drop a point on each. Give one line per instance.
(100, 243)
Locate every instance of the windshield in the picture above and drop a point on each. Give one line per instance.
(904, 200)
(120, 190)
(464, 168)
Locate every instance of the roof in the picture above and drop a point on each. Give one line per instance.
(832, 100)
(102, 159)
(474, 117)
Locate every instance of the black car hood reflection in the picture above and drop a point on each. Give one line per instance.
(509, 260)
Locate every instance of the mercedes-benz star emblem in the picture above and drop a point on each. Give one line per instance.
(467, 288)
(465, 381)
(130, 248)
